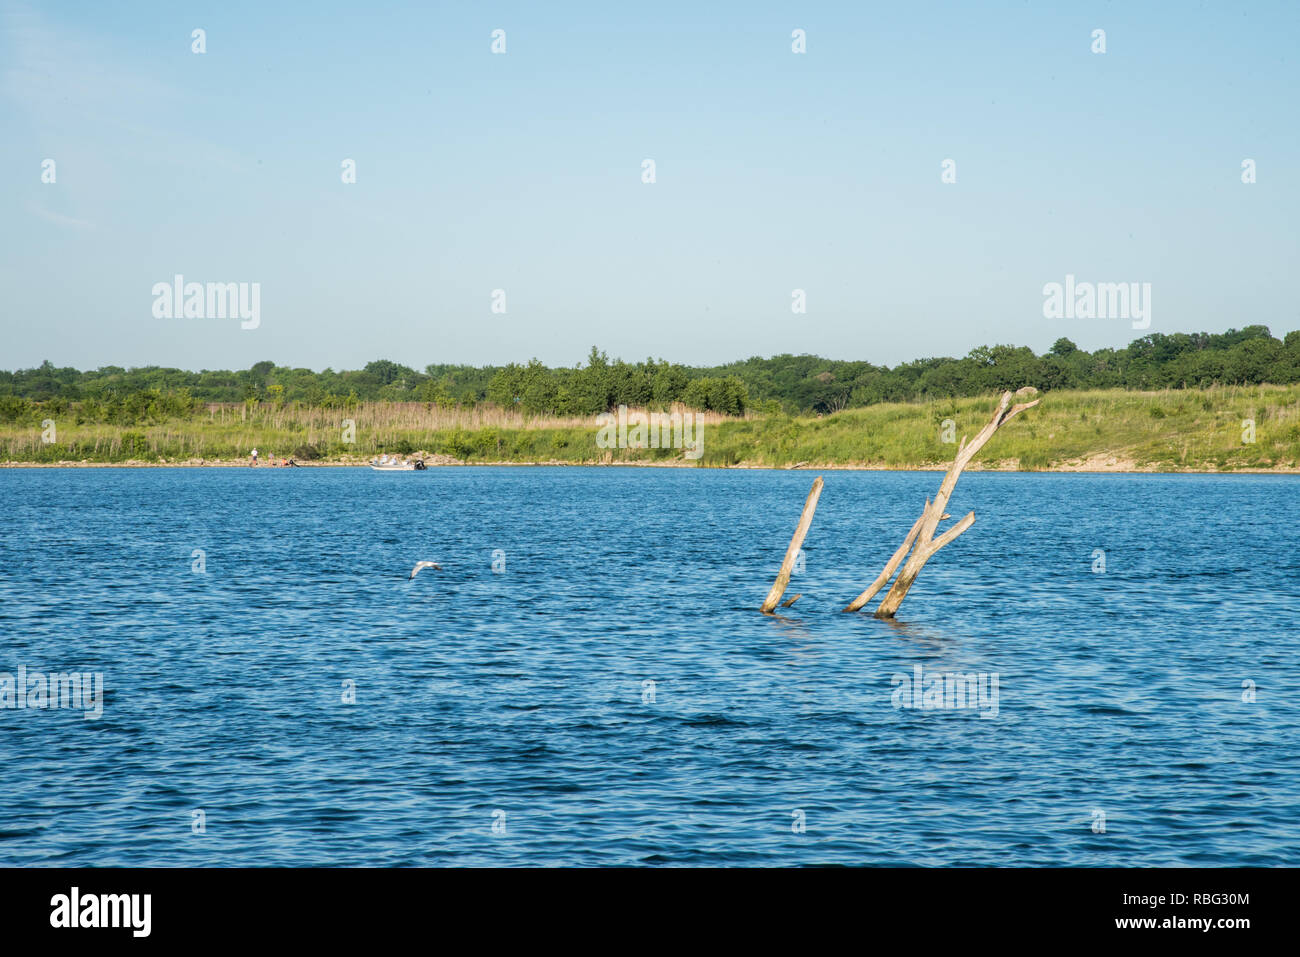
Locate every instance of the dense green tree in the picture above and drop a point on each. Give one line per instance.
(793, 383)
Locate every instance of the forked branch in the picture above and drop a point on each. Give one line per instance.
(921, 540)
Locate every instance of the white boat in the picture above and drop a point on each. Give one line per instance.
(398, 466)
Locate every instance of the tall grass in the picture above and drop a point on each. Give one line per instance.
(1184, 429)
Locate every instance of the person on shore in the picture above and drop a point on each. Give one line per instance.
(254, 457)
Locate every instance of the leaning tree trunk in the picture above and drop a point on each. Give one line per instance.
(921, 539)
(892, 565)
(791, 553)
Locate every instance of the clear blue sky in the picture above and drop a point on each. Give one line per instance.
(522, 171)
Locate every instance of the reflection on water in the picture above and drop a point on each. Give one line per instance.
(930, 637)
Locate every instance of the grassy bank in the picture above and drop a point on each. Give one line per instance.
(1186, 429)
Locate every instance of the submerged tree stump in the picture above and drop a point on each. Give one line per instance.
(921, 539)
(892, 565)
(791, 553)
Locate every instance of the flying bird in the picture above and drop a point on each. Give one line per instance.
(421, 565)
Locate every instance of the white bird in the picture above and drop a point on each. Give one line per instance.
(420, 565)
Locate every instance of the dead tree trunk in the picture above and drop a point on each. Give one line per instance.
(791, 553)
(921, 539)
(892, 565)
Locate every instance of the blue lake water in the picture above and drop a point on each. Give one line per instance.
(1120, 693)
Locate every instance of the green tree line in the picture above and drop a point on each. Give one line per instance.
(789, 383)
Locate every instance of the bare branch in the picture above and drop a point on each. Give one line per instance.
(925, 543)
(890, 566)
(952, 533)
(1017, 409)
